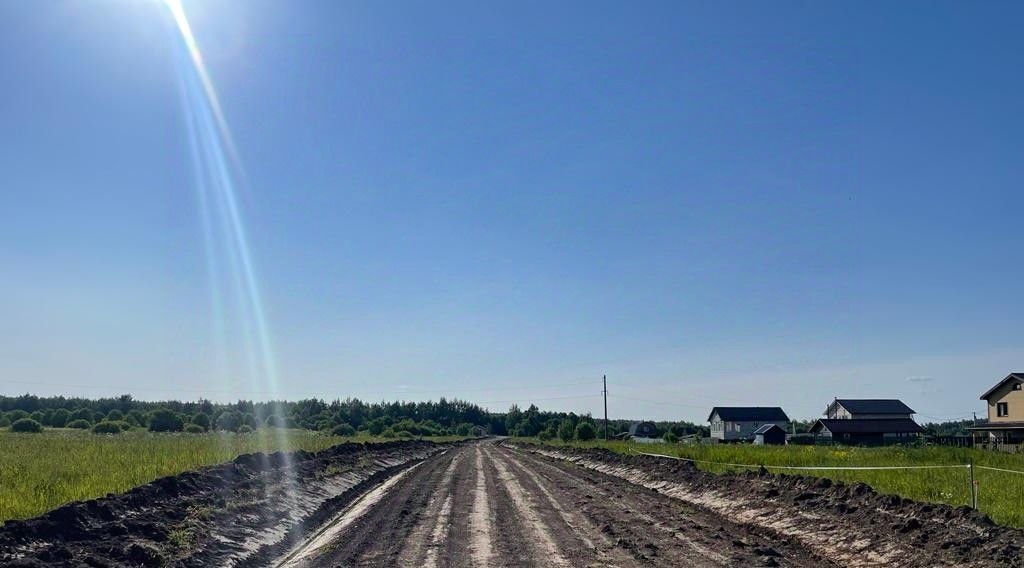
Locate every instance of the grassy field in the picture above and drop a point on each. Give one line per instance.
(1000, 495)
(39, 472)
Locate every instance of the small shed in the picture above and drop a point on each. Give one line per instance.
(770, 435)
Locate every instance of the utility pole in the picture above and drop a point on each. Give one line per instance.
(604, 382)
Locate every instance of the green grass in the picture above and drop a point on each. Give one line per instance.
(1000, 495)
(39, 472)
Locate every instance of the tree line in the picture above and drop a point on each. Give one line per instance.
(340, 416)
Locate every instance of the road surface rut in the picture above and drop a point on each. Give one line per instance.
(488, 505)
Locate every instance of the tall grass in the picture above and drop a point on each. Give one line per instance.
(39, 472)
(1000, 495)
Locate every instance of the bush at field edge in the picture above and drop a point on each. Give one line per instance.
(164, 420)
(109, 427)
(26, 425)
(343, 430)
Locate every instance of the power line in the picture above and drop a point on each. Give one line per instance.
(539, 399)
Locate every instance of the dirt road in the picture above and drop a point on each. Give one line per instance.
(490, 503)
(487, 505)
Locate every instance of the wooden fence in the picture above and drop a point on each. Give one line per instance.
(1000, 447)
(954, 441)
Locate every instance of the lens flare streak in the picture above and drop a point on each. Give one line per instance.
(229, 260)
(224, 229)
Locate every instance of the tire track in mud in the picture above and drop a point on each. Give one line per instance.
(508, 535)
(421, 548)
(379, 535)
(653, 528)
(481, 551)
(326, 535)
(583, 529)
(838, 524)
(547, 551)
(709, 554)
(485, 504)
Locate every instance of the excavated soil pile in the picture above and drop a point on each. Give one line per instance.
(849, 524)
(237, 513)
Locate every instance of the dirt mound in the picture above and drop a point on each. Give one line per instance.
(849, 524)
(235, 513)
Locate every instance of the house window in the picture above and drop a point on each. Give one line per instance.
(1003, 409)
(1017, 386)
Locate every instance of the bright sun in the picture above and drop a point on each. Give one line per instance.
(178, 12)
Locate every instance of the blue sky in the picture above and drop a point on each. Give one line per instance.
(743, 203)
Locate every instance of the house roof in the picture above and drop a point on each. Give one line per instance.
(874, 406)
(998, 426)
(749, 414)
(766, 427)
(868, 426)
(1011, 377)
(640, 424)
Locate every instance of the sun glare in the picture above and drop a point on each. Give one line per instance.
(178, 12)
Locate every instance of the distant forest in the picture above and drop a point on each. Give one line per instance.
(346, 416)
(340, 416)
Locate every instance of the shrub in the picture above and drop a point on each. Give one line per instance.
(136, 418)
(4, 422)
(463, 429)
(244, 429)
(566, 430)
(387, 433)
(115, 415)
(60, 418)
(326, 425)
(16, 415)
(376, 426)
(202, 420)
(194, 429)
(38, 416)
(81, 414)
(164, 420)
(407, 425)
(249, 420)
(585, 431)
(229, 420)
(277, 421)
(108, 427)
(430, 428)
(405, 434)
(26, 425)
(79, 424)
(670, 437)
(343, 430)
(546, 434)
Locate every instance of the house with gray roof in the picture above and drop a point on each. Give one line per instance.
(643, 429)
(738, 423)
(868, 422)
(868, 408)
